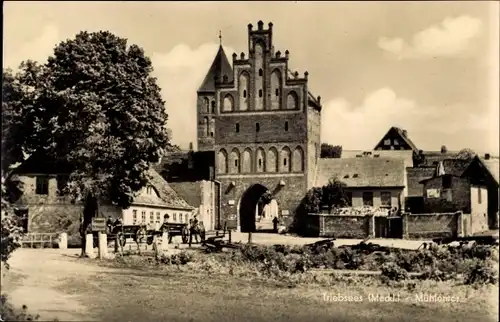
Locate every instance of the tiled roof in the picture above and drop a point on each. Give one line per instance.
(455, 167)
(493, 166)
(166, 194)
(220, 67)
(189, 191)
(362, 172)
(413, 178)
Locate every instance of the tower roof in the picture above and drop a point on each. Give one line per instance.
(220, 67)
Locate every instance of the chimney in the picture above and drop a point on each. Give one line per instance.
(487, 156)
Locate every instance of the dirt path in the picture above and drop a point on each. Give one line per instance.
(34, 278)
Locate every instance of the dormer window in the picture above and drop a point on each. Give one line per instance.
(149, 190)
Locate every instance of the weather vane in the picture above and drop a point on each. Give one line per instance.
(220, 37)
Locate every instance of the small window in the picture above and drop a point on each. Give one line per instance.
(180, 217)
(236, 163)
(446, 181)
(143, 217)
(151, 217)
(174, 216)
(348, 196)
(367, 198)
(385, 199)
(355, 175)
(42, 185)
(260, 93)
(277, 92)
(286, 126)
(157, 217)
(211, 134)
(284, 162)
(260, 72)
(213, 106)
(237, 127)
(479, 196)
(396, 142)
(134, 217)
(260, 163)
(387, 142)
(244, 93)
(257, 127)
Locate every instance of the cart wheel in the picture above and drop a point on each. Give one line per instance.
(185, 237)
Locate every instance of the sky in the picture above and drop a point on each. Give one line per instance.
(431, 68)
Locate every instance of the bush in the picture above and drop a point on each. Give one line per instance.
(181, 258)
(392, 272)
(9, 313)
(480, 272)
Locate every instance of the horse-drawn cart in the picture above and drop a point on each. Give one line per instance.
(124, 232)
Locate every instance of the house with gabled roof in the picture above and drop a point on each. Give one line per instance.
(376, 182)
(46, 209)
(463, 185)
(396, 139)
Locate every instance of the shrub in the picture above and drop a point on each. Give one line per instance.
(480, 272)
(393, 272)
(181, 258)
(9, 313)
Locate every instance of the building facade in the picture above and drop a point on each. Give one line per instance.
(263, 125)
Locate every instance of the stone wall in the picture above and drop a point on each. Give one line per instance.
(341, 226)
(416, 226)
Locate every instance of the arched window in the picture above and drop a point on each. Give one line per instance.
(222, 161)
(292, 101)
(212, 128)
(205, 105)
(272, 160)
(243, 90)
(260, 159)
(228, 103)
(285, 159)
(246, 161)
(298, 160)
(276, 88)
(213, 107)
(205, 126)
(234, 161)
(260, 72)
(260, 93)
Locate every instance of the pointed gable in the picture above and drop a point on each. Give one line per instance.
(220, 67)
(396, 139)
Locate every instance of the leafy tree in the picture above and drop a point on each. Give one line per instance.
(331, 151)
(334, 194)
(465, 154)
(444, 149)
(15, 93)
(96, 107)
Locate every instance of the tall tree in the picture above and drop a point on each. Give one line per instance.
(97, 108)
(331, 151)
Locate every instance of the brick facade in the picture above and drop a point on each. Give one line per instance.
(263, 125)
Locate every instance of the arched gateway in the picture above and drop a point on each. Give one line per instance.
(257, 209)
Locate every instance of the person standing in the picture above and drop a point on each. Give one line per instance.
(193, 230)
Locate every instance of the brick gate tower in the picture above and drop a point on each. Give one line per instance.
(263, 125)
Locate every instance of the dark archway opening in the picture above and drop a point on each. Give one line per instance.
(250, 201)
